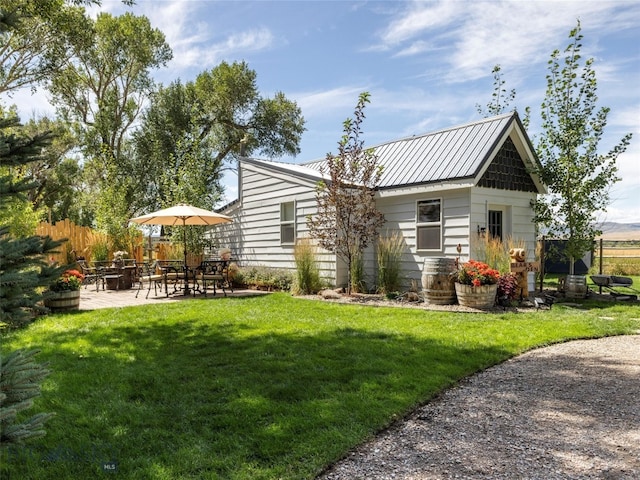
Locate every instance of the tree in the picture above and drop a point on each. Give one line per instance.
(181, 165)
(234, 114)
(20, 378)
(348, 220)
(191, 131)
(57, 175)
(35, 40)
(102, 90)
(23, 260)
(500, 98)
(578, 176)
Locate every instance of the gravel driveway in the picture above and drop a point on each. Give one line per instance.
(568, 411)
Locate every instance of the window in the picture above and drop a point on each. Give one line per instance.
(494, 223)
(428, 225)
(288, 223)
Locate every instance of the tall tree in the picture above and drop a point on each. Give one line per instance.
(35, 40)
(191, 132)
(181, 166)
(233, 111)
(579, 178)
(58, 175)
(23, 259)
(348, 220)
(102, 90)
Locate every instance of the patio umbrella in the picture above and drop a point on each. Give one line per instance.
(182, 215)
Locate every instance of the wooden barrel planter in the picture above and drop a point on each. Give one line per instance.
(60, 301)
(481, 297)
(575, 286)
(438, 280)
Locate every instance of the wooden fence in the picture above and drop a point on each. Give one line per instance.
(80, 241)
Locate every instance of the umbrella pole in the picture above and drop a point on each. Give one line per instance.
(186, 269)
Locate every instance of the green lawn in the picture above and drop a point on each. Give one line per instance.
(256, 388)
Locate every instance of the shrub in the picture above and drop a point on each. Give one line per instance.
(357, 272)
(20, 378)
(99, 250)
(307, 271)
(265, 278)
(495, 253)
(389, 257)
(508, 286)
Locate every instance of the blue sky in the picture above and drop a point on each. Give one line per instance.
(426, 64)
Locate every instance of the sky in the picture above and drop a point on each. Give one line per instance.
(426, 64)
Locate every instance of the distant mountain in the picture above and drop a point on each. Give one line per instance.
(620, 231)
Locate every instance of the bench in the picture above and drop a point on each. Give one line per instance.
(611, 282)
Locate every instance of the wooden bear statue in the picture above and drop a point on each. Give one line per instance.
(519, 255)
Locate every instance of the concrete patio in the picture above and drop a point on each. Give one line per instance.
(92, 300)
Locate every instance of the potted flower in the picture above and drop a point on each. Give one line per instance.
(477, 285)
(64, 293)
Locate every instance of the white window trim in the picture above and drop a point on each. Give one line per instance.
(429, 224)
(288, 222)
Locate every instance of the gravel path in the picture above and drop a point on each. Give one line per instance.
(568, 411)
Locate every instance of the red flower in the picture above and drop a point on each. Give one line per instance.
(477, 274)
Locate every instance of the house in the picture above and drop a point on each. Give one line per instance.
(442, 190)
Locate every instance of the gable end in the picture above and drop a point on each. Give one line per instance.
(507, 171)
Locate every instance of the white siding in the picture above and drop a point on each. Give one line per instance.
(519, 223)
(400, 214)
(254, 235)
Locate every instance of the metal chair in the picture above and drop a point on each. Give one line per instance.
(91, 274)
(147, 273)
(214, 273)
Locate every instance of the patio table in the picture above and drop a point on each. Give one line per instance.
(174, 273)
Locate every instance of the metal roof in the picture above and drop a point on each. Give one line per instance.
(303, 171)
(454, 153)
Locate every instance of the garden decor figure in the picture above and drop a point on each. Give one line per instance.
(118, 258)
(519, 255)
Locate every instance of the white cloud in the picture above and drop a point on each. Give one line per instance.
(479, 35)
(418, 18)
(325, 102)
(243, 42)
(415, 48)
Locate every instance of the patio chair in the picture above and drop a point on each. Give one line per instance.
(173, 274)
(91, 274)
(147, 273)
(213, 273)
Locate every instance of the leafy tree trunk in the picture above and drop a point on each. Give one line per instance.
(102, 89)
